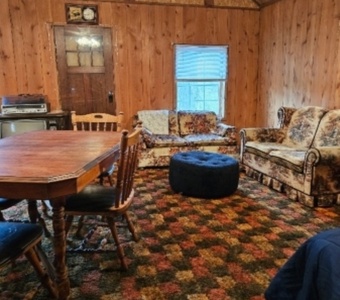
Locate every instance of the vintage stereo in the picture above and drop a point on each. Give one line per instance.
(24, 104)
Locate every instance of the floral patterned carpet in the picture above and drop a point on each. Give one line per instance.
(189, 248)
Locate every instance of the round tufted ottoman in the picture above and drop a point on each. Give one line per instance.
(203, 174)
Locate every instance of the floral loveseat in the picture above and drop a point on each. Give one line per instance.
(300, 158)
(166, 132)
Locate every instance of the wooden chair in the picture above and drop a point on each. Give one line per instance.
(98, 122)
(17, 239)
(112, 203)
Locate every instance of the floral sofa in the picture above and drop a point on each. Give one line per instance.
(166, 132)
(300, 158)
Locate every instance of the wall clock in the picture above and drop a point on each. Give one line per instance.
(81, 14)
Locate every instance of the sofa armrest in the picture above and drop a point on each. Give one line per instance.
(323, 164)
(146, 137)
(225, 129)
(325, 156)
(284, 115)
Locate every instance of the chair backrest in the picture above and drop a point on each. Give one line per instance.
(127, 166)
(97, 122)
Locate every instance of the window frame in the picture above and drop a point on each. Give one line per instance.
(223, 98)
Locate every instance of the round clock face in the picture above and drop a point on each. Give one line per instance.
(89, 14)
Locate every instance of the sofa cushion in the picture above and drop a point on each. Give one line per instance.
(156, 121)
(205, 139)
(264, 148)
(303, 125)
(328, 133)
(196, 122)
(165, 140)
(291, 159)
(173, 122)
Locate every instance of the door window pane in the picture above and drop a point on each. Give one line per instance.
(84, 51)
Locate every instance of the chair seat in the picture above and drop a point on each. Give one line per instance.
(15, 237)
(104, 199)
(7, 203)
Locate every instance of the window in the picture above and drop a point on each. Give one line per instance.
(201, 77)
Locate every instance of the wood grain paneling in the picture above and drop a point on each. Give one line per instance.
(299, 62)
(143, 37)
(8, 76)
(292, 44)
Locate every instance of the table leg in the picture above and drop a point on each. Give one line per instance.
(59, 244)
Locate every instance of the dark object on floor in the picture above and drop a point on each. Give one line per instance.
(203, 174)
(17, 239)
(312, 273)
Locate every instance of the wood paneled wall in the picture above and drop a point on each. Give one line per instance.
(299, 61)
(143, 37)
(292, 45)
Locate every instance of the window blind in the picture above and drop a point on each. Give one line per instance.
(201, 62)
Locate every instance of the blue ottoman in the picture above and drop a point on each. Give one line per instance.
(203, 174)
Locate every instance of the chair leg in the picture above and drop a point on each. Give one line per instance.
(45, 207)
(68, 223)
(131, 227)
(109, 177)
(46, 280)
(120, 250)
(80, 226)
(35, 216)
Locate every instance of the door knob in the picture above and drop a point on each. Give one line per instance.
(110, 96)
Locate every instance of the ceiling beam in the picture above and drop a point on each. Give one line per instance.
(238, 4)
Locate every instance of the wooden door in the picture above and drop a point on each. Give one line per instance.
(85, 69)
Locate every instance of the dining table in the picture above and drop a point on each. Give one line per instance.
(50, 165)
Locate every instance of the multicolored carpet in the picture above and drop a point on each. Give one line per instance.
(189, 248)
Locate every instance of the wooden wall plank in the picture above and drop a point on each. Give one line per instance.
(120, 56)
(31, 44)
(47, 59)
(18, 46)
(133, 40)
(8, 77)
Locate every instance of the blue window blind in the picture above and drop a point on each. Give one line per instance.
(201, 62)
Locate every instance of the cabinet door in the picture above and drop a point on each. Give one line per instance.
(85, 69)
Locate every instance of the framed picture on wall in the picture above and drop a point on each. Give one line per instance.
(81, 14)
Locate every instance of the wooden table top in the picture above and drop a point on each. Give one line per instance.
(48, 164)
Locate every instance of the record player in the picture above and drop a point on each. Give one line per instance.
(24, 104)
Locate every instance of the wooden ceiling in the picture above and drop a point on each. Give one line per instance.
(245, 4)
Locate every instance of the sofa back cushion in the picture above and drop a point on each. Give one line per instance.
(196, 122)
(173, 123)
(328, 133)
(303, 125)
(156, 121)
